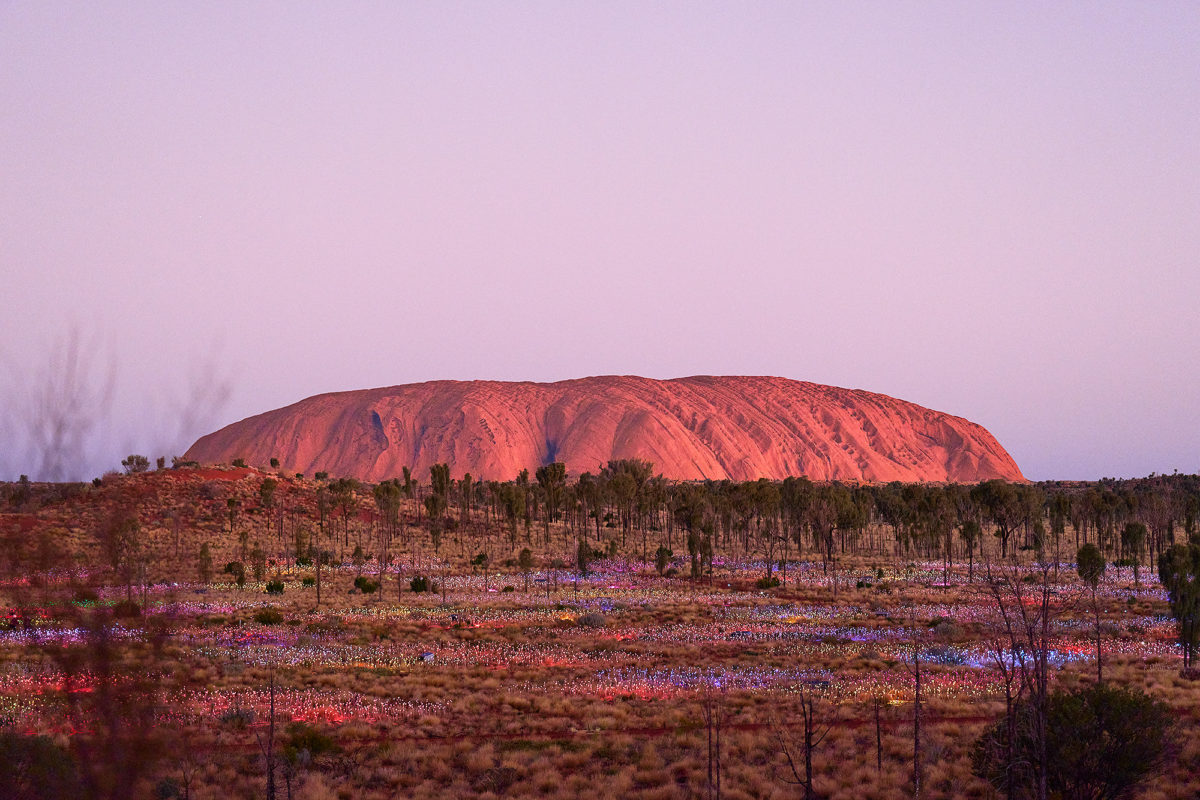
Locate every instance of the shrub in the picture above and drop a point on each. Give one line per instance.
(268, 616)
(239, 462)
(662, 559)
(126, 609)
(1101, 742)
(767, 583)
(592, 620)
(308, 580)
(274, 587)
(135, 463)
(419, 584)
(240, 718)
(36, 767)
(304, 742)
(365, 584)
(945, 627)
(85, 597)
(168, 788)
(947, 656)
(495, 780)
(509, 589)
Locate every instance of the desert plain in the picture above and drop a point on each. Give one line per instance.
(615, 634)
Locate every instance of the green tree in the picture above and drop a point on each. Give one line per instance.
(232, 504)
(266, 492)
(439, 479)
(1090, 564)
(1133, 540)
(1002, 503)
(512, 500)
(204, 563)
(662, 559)
(1179, 571)
(435, 507)
(583, 558)
(258, 562)
(590, 491)
(388, 496)
(693, 546)
(238, 570)
(970, 532)
(552, 478)
(525, 562)
(1102, 742)
(120, 540)
(342, 494)
(481, 561)
(465, 494)
(522, 485)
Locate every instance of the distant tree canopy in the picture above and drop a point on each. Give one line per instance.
(1127, 522)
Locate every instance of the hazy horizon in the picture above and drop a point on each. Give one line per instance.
(993, 212)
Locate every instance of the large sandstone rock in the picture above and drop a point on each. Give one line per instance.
(691, 428)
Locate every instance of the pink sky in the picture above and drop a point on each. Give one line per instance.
(989, 209)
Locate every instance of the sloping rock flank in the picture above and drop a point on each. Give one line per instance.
(741, 428)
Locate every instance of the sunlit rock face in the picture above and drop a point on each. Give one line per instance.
(741, 428)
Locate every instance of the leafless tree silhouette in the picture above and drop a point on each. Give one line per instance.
(66, 400)
(812, 734)
(209, 387)
(58, 408)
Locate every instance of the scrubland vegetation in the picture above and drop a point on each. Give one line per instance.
(239, 631)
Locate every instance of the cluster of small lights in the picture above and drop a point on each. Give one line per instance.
(743, 641)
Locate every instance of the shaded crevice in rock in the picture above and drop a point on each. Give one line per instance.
(378, 435)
